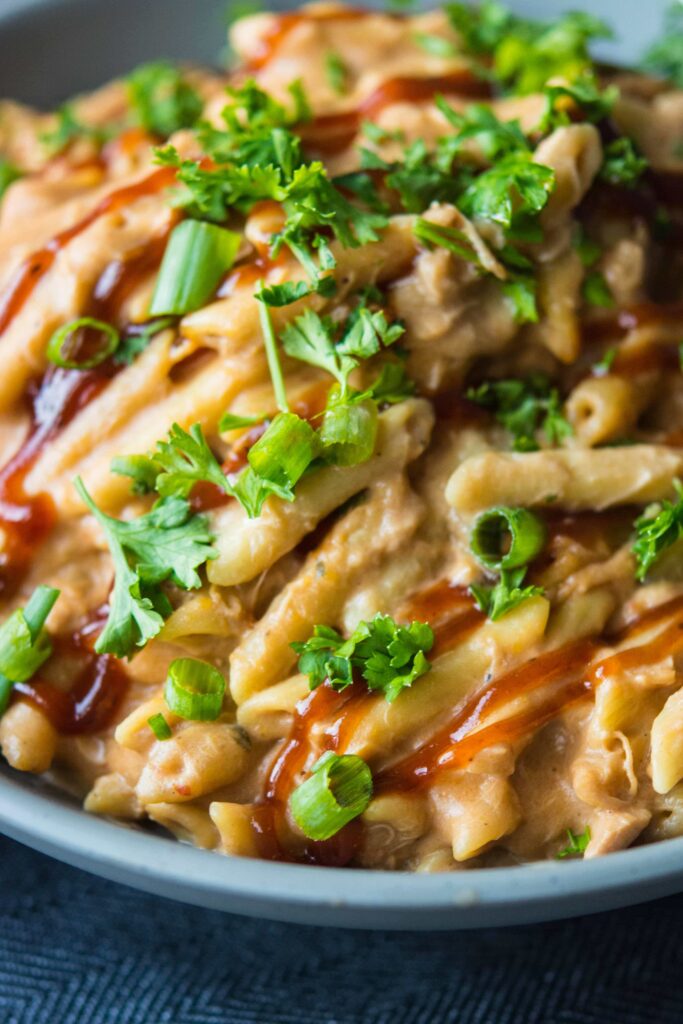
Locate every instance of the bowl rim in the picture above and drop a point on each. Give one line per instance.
(540, 890)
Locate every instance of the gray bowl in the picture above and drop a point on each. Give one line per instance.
(50, 49)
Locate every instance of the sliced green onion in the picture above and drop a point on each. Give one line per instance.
(284, 453)
(196, 258)
(194, 690)
(5, 691)
(159, 726)
(507, 538)
(349, 431)
(270, 342)
(339, 789)
(64, 342)
(24, 646)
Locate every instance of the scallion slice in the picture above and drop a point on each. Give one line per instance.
(62, 348)
(23, 644)
(194, 690)
(348, 432)
(284, 453)
(507, 538)
(339, 789)
(197, 255)
(159, 726)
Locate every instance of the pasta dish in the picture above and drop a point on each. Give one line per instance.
(341, 434)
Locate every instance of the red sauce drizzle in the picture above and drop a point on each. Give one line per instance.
(286, 22)
(27, 519)
(91, 704)
(453, 616)
(331, 133)
(39, 263)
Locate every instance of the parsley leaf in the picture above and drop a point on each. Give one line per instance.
(185, 458)
(68, 129)
(388, 656)
(167, 543)
(665, 57)
(524, 406)
(497, 600)
(138, 336)
(577, 844)
(479, 124)
(514, 188)
(596, 291)
(311, 339)
(657, 531)
(162, 100)
(594, 103)
(523, 53)
(622, 165)
(336, 71)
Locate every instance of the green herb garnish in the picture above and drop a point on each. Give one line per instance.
(338, 790)
(389, 657)
(657, 530)
(336, 72)
(524, 407)
(162, 100)
(576, 845)
(623, 165)
(168, 543)
(24, 644)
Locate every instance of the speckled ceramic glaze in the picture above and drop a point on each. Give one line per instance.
(48, 50)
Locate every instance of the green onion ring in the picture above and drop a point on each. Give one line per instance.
(159, 726)
(526, 532)
(55, 346)
(338, 790)
(194, 690)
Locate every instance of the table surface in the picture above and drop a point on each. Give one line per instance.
(75, 949)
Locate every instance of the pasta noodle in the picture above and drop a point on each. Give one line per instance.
(341, 445)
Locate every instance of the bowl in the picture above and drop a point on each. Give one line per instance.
(51, 49)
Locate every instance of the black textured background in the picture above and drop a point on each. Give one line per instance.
(78, 950)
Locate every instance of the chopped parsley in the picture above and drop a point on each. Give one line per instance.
(315, 340)
(497, 600)
(623, 165)
(162, 100)
(594, 103)
(656, 530)
(388, 656)
(524, 406)
(510, 193)
(168, 543)
(138, 336)
(596, 291)
(69, 129)
(256, 156)
(665, 57)
(523, 54)
(577, 844)
(336, 72)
